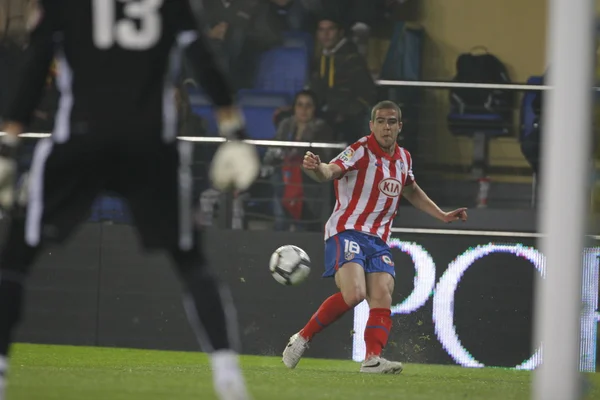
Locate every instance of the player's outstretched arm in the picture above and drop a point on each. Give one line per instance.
(320, 171)
(418, 198)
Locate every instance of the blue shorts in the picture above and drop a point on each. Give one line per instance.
(372, 253)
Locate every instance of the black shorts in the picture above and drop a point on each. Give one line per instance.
(154, 178)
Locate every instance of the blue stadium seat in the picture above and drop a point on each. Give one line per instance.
(299, 39)
(282, 70)
(264, 98)
(469, 124)
(191, 90)
(527, 114)
(258, 108)
(259, 122)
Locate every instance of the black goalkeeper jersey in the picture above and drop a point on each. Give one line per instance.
(117, 62)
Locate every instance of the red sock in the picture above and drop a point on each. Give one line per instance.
(377, 331)
(331, 309)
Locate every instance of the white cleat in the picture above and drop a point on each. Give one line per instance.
(294, 350)
(379, 365)
(228, 380)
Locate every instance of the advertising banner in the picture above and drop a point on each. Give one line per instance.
(469, 300)
(459, 299)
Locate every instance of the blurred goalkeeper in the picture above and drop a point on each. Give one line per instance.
(115, 130)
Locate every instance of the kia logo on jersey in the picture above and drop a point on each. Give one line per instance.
(390, 187)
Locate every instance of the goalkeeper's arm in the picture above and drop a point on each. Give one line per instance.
(235, 164)
(209, 74)
(26, 96)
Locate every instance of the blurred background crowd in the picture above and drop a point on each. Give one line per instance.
(310, 70)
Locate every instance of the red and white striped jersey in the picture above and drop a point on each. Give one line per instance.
(368, 193)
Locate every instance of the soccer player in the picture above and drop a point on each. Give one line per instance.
(369, 178)
(115, 130)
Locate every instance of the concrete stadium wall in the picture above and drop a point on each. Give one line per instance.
(100, 290)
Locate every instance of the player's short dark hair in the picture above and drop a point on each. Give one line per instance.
(385, 105)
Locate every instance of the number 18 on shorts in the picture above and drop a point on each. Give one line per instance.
(372, 253)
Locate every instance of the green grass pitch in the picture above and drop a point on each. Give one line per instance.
(69, 373)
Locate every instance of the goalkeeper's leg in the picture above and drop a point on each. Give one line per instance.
(212, 315)
(161, 204)
(16, 257)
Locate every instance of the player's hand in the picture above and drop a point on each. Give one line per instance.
(8, 170)
(311, 161)
(456, 215)
(236, 166)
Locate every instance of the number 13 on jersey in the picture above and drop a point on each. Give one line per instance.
(108, 31)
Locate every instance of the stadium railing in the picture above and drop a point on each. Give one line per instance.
(445, 171)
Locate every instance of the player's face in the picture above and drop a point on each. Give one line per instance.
(328, 34)
(304, 109)
(386, 127)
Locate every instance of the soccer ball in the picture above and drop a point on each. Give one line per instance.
(289, 265)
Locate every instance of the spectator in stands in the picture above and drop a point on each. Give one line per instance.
(360, 16)
(296, 197)
(342, 82)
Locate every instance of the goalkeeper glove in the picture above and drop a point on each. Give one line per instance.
(236, 164)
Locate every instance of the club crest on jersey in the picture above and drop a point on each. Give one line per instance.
(387, 260)
(349, 256)
(390, 187)
(347, 155)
